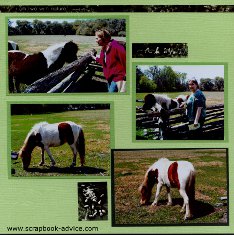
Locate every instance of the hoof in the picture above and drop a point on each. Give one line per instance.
(169, 204)
(41, 163)
(153, 204)
(72, 165)
(188, 217)
(52, 166)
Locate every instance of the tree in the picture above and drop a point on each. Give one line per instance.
(206, 84)
(146, 85)
(68, 28)
(219, 84)
(39, 27)
(24, 27)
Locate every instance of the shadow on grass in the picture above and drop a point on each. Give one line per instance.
(68, 170)
(200, 209)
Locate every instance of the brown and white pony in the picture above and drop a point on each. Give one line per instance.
(175, 174)
(45, 135)
(26, 69)
(160, 101)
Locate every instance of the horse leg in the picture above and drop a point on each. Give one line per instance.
(73, 148)
(169, 203)
(42, 157)
(186, 204)
(50, 156)
(183, 208)
(11, 84)
(159, 187)
(17, 86)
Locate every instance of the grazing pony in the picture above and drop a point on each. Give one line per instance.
(177, 174)
(12, 46)
(47, 135)
(26, 69)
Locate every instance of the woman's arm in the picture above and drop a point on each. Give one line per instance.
(198, 114)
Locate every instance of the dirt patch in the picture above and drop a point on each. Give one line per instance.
(214, 163)
(201, 196)
(103, 127)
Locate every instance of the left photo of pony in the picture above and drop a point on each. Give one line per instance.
(67, 55)
(60, 139)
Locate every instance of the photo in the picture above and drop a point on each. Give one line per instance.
(170, 187)
(60, 140)
(180, 102)
(92, 201)
(66, 55)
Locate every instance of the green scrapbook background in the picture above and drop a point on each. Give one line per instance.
(53, 202)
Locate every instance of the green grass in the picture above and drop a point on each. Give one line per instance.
(96, 125)
(211, 184)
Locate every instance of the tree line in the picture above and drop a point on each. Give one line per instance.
(165, 79)
(20, 109)
(117, 27)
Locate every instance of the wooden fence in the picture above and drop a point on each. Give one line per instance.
(173, 125)
(82, 75)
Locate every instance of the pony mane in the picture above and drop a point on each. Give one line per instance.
(35, 129)
(53, 52)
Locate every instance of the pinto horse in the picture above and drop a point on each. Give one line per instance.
(26, 69)
(45, 135)
(158, 100)
(177, 174)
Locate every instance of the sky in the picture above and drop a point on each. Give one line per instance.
(197, 71)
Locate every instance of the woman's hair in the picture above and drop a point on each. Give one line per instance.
(194, 81)
(103, 34)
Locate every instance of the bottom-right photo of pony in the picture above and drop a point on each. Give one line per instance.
(170, 187)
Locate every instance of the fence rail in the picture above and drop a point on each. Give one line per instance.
(173, 124)
(81, 75)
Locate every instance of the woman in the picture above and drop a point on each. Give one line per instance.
(113, 60)
(196, 109)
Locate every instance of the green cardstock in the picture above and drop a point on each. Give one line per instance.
(104, 195)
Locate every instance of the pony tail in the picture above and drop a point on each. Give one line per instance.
(80, 145)
(190, 190)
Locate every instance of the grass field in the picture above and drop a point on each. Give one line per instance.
(35, 43)
(96, 127)
(212, 97)
(211, 184)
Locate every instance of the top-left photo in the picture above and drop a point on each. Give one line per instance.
(67, 55)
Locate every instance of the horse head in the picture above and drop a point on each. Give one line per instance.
(145, 189)
(32, 140)
(59, 54)
(149, 102)
(145, 194)
(70, 52)
(26, 158)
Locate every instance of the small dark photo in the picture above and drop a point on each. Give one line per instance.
(92, 201)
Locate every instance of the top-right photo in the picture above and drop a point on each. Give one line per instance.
(180, 102)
